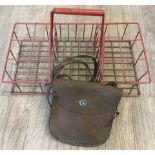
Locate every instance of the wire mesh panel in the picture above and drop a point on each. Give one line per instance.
(35, 48)
(124, 62)
(68, 45)
(71, 39)
(125, 59)
(28, 63)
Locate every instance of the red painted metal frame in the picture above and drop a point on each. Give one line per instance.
(103, 39)
(75, 11)
(31, 39)
(106, 24)
(83, 12)
(143, 51)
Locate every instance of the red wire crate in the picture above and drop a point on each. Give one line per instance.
(74, 39)
(36, 47)
(28, 62)
(125, 57)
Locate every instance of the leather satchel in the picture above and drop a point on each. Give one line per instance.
(82, 112)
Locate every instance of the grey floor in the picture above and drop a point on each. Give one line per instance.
(24, 120)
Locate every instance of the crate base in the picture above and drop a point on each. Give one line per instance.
(114, 68)
(32, 67)
(66, 49)
(118, 65)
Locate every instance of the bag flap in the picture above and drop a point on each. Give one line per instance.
(85, 97)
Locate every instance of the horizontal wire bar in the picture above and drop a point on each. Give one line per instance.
(32, 61)
(24, 67)
(32, 73)
(24, 51)
(119, 75)
(22, 46)
(119, 69)
(32, 80)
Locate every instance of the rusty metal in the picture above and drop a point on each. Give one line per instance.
(33, 51)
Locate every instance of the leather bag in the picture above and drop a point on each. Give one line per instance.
(82, 112)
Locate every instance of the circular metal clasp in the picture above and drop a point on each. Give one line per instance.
(83, 103)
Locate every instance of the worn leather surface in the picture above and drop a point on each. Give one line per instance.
(88, 125)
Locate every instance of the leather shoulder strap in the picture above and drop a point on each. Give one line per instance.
(57, 69)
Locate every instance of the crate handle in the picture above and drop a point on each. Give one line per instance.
(73, 11)
(83, 12)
